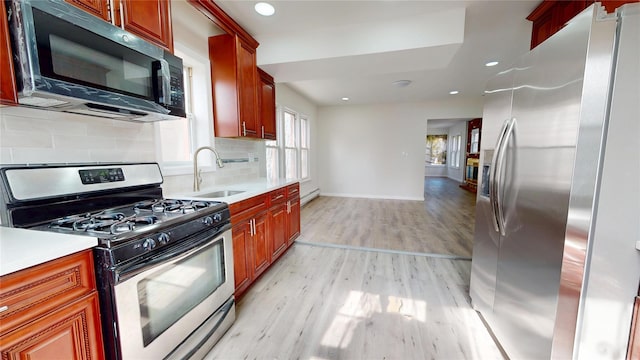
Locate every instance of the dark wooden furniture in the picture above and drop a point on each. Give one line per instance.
(551, 15)
(149, 19)
(472, 155)
(267, 105)
(52, 311)
(264, 227)
(234, 87)
(8, 92)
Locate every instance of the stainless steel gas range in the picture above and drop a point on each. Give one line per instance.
(164, 267)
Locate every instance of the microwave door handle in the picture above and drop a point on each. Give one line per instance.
(162, 81)
(493, 183)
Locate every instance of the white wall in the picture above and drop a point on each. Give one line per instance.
(288, 97)
(377, 151)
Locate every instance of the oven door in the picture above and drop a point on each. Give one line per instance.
(162, 301)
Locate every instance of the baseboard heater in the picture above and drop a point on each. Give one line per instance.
(310, 196)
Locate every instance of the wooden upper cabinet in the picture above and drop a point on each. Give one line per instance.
(149, 19)
(99, 8)
(8, 95)
(551, 16)
(267, 101)
(234, 87)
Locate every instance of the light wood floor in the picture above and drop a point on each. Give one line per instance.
(442, 224)
(329, 303)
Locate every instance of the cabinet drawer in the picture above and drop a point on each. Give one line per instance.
(30, 293)
(293, 190)
(243, 205)
(278, 196)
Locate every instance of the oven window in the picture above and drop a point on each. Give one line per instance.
(168, 294)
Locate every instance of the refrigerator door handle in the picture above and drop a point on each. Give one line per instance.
(500, 161)
(493, 183)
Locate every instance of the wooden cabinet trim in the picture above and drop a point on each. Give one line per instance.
(212, 11)
(36, 291)
(77, 323)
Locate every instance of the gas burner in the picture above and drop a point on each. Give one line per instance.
(173, 206)
(103, 222)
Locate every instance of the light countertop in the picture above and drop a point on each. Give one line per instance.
(250, 189)
(22, 248)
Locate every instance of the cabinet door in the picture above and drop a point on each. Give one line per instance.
(99, 8)
(72, 332)
(260, 249)
(149, 19)
(7, 79)
(241, 235)
(293, 224)
(248, 90)
(277, 224)
(267, 106)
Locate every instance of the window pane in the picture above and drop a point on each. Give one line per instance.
(304, 163)
(436, 149)
(290, 158)
(289, 130)
(175, 137)
(272, 163)
(304, 139)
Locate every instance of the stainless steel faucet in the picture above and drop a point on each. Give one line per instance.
(197, 179)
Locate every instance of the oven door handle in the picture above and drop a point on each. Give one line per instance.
(173, 255)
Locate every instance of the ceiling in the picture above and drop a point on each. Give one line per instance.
(327, 50)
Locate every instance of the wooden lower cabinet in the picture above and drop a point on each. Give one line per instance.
(260, 245)
(241, 235)
(277, 224)
(51, 311)
(264, 227)
(71, 332)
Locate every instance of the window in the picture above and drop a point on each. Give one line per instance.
(304, 148)
(475, 141)
(455, 151)
(436, 153)
(178, 139)
(294, 145)
(290, 146)
(178, 133)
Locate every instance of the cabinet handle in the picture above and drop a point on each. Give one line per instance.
(244, 129)
(4, 308)
(278, 197)
(252, 223)
(121, 15)
(263, 131)
(289, 207)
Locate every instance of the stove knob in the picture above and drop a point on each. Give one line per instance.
(217, 217)
(164, 238)
(208, 221)
(149, 244)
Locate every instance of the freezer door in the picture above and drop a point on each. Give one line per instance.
(484, 262)
(535, 185)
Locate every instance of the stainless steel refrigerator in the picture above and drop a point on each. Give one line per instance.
(555, 267)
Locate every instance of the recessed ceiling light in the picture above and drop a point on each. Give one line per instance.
(401, 83)
(264, 9)
(491, 63)
(345, 99)
(454, 92)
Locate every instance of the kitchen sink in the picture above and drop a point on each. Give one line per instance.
(220, 193)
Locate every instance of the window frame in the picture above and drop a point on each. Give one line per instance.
(298, 149)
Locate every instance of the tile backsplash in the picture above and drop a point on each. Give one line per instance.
(31, 136)
(37, 136)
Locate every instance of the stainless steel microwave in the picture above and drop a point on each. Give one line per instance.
(69, 60)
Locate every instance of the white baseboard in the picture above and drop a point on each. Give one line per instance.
(365, 196)
(310, 196)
